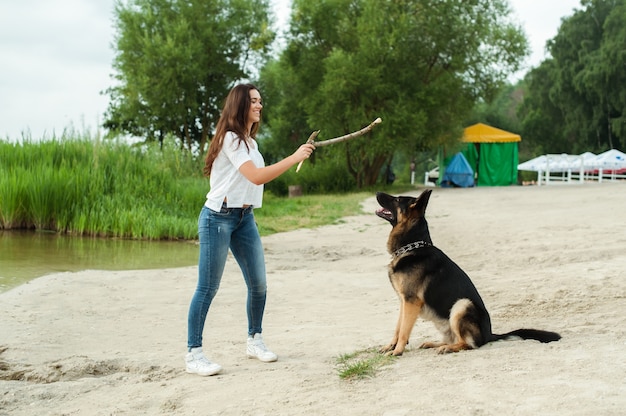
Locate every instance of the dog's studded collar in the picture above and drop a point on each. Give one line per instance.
(409, 247)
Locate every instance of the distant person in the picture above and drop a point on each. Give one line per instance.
(237, 173)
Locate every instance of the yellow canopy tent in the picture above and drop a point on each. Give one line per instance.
(492, 153)
(482, 133)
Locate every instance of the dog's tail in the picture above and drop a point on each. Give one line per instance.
(536, 334)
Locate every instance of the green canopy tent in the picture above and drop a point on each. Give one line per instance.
(492, 153)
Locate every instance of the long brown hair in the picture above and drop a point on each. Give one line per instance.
(233, 118)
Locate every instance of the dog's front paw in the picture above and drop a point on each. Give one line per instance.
(396, 352)
(387, 349)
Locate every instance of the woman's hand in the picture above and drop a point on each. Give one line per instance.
(259, 176)
(303, 152)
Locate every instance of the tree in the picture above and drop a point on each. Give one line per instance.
(176, 60)
(575, 100)
(540, 115)
(613, 54)
(501, 111)
(419, 65)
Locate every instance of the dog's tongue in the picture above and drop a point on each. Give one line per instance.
(383, 211)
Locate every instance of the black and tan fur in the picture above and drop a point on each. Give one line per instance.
(429, 284)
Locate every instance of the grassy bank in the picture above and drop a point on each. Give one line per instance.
(85, 186)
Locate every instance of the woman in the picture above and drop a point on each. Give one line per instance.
(237, 173)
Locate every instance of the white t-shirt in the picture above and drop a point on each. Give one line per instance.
(226, 180)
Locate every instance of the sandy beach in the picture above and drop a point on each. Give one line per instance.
(113, 343)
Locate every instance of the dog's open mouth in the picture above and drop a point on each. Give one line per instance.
(384, 213)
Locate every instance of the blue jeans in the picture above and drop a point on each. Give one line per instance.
(236, 229)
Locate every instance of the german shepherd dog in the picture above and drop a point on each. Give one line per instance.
(429, 284)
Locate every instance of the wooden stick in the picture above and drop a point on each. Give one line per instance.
(310, 140)
(339, 139)
(349, 135)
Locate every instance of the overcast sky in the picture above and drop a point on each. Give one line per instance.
(57, 55)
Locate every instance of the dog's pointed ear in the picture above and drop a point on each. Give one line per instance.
(422, 202)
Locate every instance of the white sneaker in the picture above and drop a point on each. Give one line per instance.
(257, 349)
(197, 363)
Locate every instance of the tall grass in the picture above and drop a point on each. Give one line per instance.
(79, 185)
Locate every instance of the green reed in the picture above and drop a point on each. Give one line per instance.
(79, 185)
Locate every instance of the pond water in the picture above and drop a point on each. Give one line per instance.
(27, 255)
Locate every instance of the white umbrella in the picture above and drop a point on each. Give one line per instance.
(537, 164)
(610, 160)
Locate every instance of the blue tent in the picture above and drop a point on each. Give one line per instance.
(458, 173)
